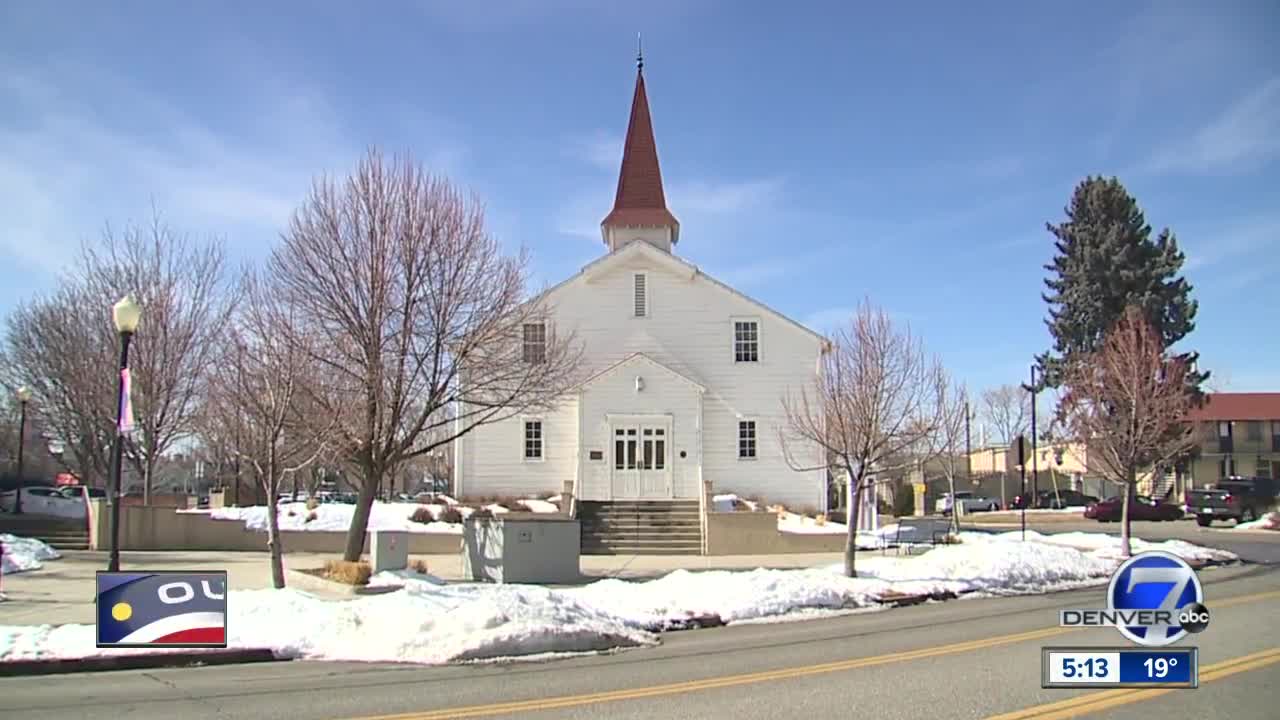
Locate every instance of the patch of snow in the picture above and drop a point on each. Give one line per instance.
(556, 499)
(401, 578)
(729, 503)
(336, 517)
(22, 554)
(446, 500)
(1270, 521)
(496, 509)
(1108, 546)
(539, 506)
(792, 523)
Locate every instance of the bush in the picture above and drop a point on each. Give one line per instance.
(482, 513)
(350, 573)
(310, 516)
(422, 515)
(419, 566)
(451, 514)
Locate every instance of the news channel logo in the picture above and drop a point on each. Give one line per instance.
(1154, 599)
(169, 609)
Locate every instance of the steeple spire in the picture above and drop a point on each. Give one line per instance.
(640, 203)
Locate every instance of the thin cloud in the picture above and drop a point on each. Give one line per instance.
(711, 197)
(1210, 248)
(1243, 136)
(600, 149)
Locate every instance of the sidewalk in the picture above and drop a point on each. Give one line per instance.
(62, 591)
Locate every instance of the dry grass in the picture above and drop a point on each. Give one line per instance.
(419, 566)
(821, 519)
(312, 503)
(310, 516)
(451, 514)
(422, 515)
(482, 513)
(350, 573)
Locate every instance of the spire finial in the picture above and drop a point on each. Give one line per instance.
(639, 55)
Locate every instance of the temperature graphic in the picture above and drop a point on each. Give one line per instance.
(1119, 667)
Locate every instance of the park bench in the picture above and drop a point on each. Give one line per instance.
(931, 531)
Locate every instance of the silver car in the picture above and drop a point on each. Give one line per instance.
(969, 503)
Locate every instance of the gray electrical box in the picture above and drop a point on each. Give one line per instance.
(520, 547)
(389, 550)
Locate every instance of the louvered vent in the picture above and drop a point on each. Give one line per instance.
(642, 297)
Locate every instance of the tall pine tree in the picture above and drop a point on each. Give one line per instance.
(1106, 260)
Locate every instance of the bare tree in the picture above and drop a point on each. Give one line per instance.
(257, 389)
(870, 403)
(945, 444)
(53, 346)
(181, 286)
(419, 316)
(1007, 409)
(1128, 402)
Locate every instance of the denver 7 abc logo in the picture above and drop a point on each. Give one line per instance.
(1154, 599)
(162, 609)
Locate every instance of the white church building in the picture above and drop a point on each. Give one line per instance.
(685, 374)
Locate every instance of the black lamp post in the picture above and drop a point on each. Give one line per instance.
(126, 315)
(24, 395)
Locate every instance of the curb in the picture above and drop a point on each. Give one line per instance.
(136, 662)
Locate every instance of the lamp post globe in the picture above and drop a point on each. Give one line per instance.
(125, 314)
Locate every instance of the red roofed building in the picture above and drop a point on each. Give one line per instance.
(1238, 434)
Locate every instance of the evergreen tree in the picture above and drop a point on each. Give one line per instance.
(1106, 260)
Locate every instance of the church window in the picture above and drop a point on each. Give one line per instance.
(535, 342)
(533, 440)
(746, 341)
(746, 439)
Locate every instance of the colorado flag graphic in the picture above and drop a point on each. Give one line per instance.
(162, 609)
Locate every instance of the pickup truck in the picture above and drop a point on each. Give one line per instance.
(1236, 498)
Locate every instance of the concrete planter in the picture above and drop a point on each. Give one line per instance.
(516, 547)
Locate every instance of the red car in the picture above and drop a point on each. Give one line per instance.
(1141, 507)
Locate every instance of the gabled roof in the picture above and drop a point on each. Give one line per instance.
(640, 357)
(640, 200)
(1238, 406)
(680, 266)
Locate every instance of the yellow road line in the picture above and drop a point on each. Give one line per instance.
(566, 701)
(718, 682)
(1106, 699)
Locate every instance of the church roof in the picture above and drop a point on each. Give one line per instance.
(640, 200)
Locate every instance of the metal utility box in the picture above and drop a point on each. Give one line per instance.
(389, 550)
(518, 547)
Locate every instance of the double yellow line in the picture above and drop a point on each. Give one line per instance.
(1106, 699)
(1067, 708)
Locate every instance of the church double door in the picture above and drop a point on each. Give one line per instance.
(641, 461)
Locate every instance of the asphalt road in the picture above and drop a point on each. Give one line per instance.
(975, 658)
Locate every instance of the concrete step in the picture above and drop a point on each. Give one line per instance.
(642, 550)
(633, 521)
(644, 517)
(646, 535)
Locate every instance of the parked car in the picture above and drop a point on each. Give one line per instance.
(1236, 498)
(45, 501)
(969, 503)
(1141, 507)
(75, 492)
(1051, 500)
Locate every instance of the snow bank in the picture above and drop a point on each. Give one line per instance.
(336, 517)
(22, 554)
(430, 621)
(729, 503)
(1270, 521)
(446, 624)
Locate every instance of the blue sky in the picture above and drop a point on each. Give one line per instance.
(815, 153)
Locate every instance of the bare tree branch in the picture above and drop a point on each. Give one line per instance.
(416, 318)
(1007, 409)
(1128, 404)
(870, 404)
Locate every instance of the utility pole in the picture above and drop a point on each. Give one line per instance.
(1035, 468)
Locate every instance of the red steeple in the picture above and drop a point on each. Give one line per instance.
(640, 201)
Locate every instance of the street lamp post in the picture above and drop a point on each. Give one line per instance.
(24, 395)
(125, 314)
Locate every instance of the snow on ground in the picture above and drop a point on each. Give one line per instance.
(728, 503)
(335, 517)
(1270, 521)
(539, 506)
(1108, 546)
(793, 523)
(429, 621)
(22, 554)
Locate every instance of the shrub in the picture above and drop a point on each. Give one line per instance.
(422, 515)
(482, 513)
(312, 503)
(821, 519)
(807, 511)
(419, 566)
(310, 516)
(291, 513)
(350, 573)
(451, 514)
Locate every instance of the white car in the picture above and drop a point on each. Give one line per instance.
(969, 503)
(40, 500)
